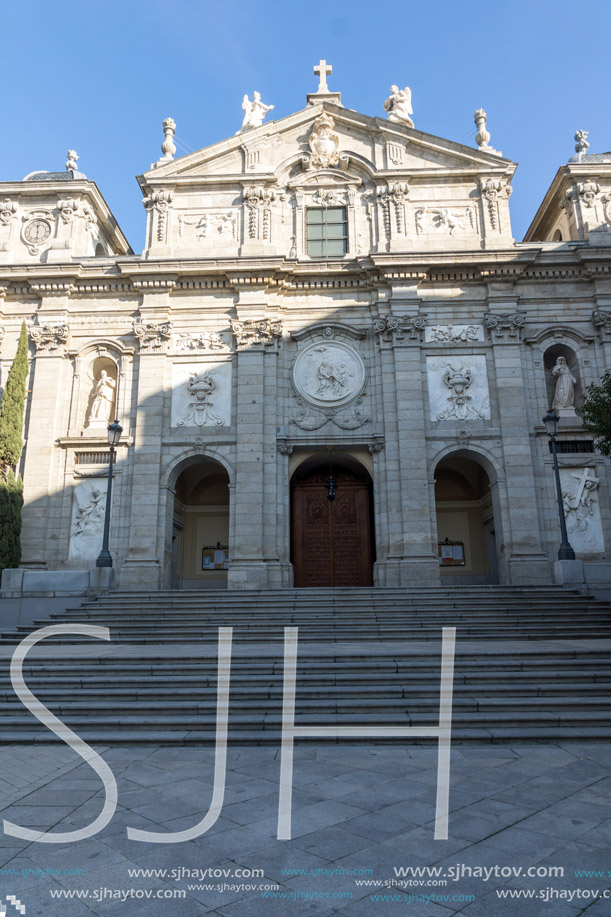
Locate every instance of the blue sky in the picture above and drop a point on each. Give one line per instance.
(100, 77)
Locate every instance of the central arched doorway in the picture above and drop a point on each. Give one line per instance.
(200, 526)
(332, 541)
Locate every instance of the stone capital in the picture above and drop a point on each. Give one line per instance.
(50, 340)
(506, 327)
(153, 336)
(253, 333)
(392, 329)
(601, 320)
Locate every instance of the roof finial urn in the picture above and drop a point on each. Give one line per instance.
(482, 138)
(168, 147)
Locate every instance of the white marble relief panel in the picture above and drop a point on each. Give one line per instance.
(458, 387)
(329, 374)
(201, 394)
(87, 524)
(445, 221)
(210, 225)
(202, 341)
(582, 511)
(454, 334)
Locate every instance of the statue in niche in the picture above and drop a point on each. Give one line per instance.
(399, 105)
(201, 386)
(254, 112)
(103, 400)
(564, 396)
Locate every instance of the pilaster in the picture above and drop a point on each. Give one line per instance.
(407, 557)
(525, 558)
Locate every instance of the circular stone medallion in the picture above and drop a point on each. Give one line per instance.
(329, 374)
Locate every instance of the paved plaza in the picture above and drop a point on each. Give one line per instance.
(361, 813)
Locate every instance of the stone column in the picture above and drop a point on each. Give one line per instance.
(525, 559)
(142, 567)
(255, 561)
(410, 558)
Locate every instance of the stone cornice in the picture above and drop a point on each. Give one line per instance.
(526, 263)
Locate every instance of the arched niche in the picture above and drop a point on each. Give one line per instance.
(550, 357)
(467, 513)
(199, 532)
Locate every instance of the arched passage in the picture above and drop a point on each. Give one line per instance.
(200, 525)
(466, 521)
(332, 541)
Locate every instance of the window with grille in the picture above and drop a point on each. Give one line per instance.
(326, 232)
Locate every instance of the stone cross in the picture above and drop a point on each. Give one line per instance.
(322, 71)
(583, 478)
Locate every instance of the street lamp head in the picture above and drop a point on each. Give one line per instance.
(551, 422)
(114, 433)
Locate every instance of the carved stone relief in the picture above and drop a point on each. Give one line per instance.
(458, 387)
(329, 374)
(455, 334)
(324, 146)
(8, 211)
(88, 508)
(582, 511)
(444, 220)
(328, 379)
(206, 340)
(217, 225)
(201, 394)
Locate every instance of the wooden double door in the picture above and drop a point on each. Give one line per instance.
(331, 540)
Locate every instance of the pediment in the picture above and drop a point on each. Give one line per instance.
(278, 149)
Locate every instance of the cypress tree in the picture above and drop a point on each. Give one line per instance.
(11, 445)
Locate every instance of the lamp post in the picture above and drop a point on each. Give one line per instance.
(114, 435)
(551, 425)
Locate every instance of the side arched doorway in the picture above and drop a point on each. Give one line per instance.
(200, 526)
(332, 541)
(466, 522)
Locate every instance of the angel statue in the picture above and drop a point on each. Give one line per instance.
(399, 105)
(254, 112)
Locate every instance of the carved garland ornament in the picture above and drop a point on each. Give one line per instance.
(159, 202)
(258, 200)
(492, 190)
(8, 211)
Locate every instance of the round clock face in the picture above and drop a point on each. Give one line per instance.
(37, 231)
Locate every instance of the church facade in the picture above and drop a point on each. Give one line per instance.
(330, 363)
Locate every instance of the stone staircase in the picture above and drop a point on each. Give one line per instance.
(532, 664)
